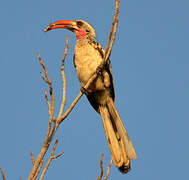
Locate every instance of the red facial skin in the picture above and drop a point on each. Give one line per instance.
(67, 24)
(80, 34)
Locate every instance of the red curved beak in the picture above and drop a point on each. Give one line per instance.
(63, 24)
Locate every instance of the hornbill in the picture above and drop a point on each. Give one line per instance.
(88, 55)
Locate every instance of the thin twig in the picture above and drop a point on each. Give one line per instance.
(32, 158)
(71, 106)
(55, 157)
(46, 143)
(3, 175)
(48, 81)
(50, 159)
(113, 29)
(110, 35)
(56, 125)
(102, 170)
(101, 167)
(47, 101)
(108, 170)
(43, 77)
(38, 171)
(64, 80)
(50, 106)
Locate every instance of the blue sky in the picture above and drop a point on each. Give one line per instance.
(150, 62)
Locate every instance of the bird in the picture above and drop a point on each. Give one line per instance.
(88, 55)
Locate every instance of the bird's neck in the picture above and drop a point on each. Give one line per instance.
(85, 39)
(82, 42)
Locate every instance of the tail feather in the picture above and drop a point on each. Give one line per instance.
(111, 137)
(122, 131)
(119, 143)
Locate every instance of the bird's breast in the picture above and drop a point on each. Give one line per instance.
(87, 59)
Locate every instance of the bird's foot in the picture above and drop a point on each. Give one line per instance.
(84, 91)
(99, 71)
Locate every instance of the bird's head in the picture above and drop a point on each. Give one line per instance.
(81, 28)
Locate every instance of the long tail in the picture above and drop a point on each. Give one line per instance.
(120, 145)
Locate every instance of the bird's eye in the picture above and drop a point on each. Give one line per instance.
(79, 23)
(87, 30)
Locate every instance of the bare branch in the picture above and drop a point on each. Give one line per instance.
(47, 100)
(50, 159)
(58, 155)
(64, 80)
(101, 167)
(39, 169)
(50, 106)
(102, 170)
(108, 170)
(43, 77)
(2, 173)
(113, 29)
(45, 70)
(50, 133)
(48, 81)
(71, 106)
(32, 158)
